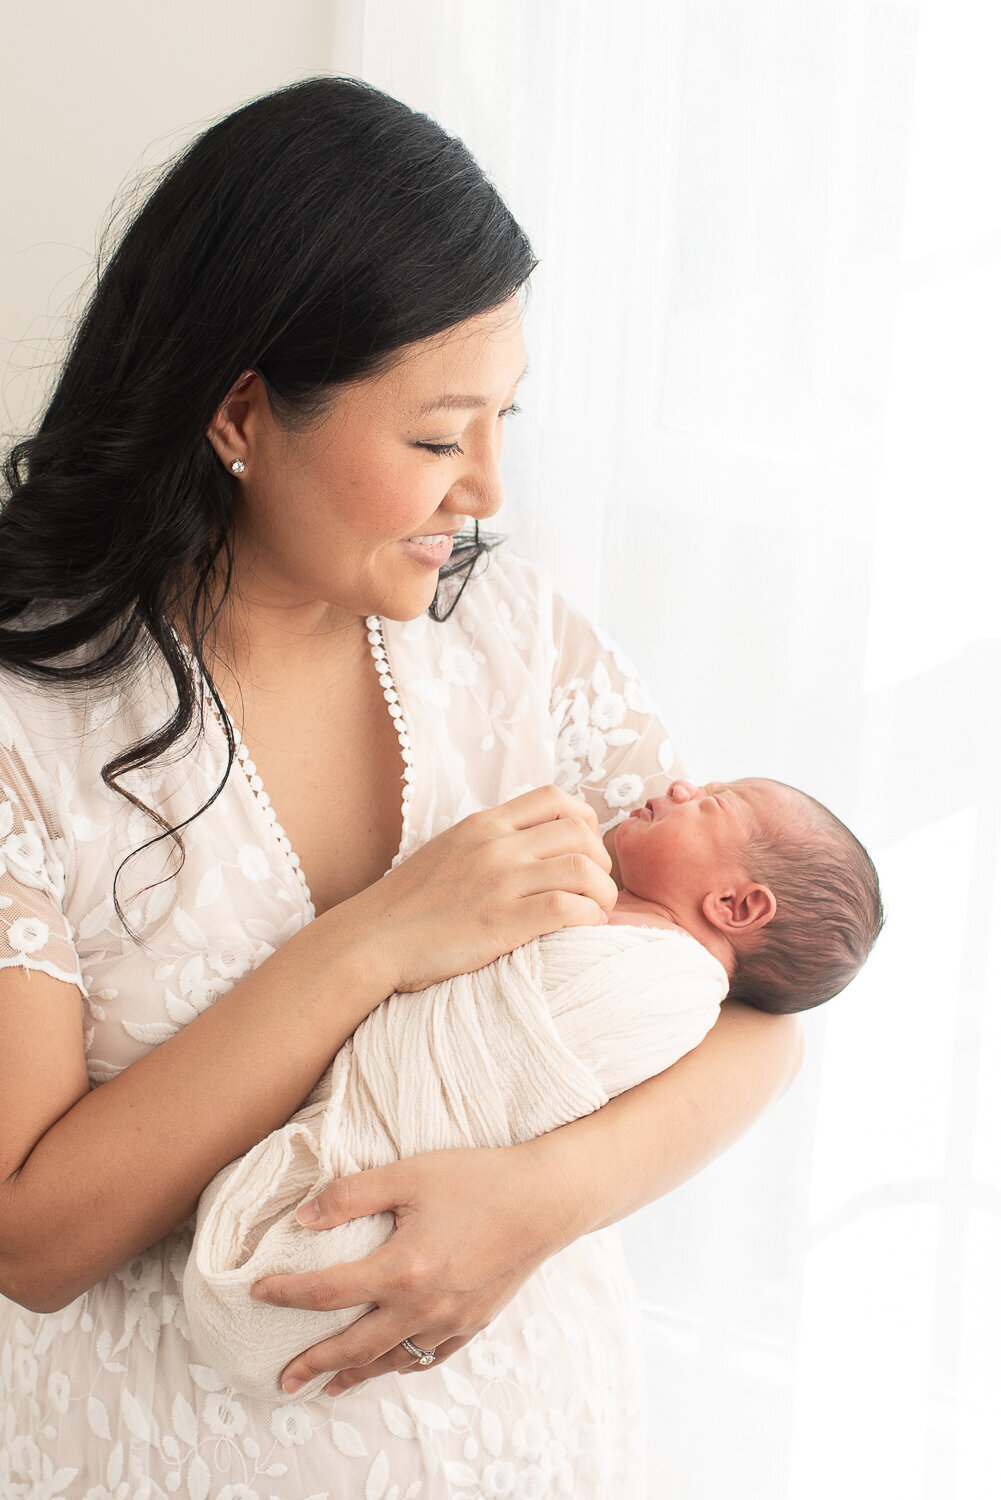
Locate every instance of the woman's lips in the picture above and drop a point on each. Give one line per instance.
(430, 551)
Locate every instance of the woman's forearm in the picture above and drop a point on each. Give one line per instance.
(655, 1136)
(125, 1163)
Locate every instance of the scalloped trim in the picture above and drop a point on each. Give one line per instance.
(261, 797)
(45, 966)
(380, 657)
(264, 803)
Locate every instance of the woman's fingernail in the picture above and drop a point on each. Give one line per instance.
(290, 1385)
(333, 1389)
(308, 1213)
(260, 1291)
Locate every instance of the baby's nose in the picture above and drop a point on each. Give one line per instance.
(683, 791)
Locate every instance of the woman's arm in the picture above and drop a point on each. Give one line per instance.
(90, 1177)
(472, 1225)
(676, 1123)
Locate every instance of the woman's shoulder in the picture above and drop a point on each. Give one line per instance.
(511, 609)
(513, 589)
(502, 612)
(52, 721)
(33, 712)
(521, 602)
(503, 582)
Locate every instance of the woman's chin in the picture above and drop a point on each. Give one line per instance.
(407, 603)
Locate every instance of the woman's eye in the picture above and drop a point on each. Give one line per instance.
(441, 450)
(453, 450)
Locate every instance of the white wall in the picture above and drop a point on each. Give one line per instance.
(89, 95)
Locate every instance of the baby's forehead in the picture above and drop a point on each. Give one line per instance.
(772, 803)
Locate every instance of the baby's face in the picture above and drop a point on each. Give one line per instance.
(694, 839)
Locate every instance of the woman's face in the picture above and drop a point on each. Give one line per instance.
(357, 513)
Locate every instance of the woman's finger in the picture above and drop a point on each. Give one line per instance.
(372, 1336)
(370, 1347)
(355, 1196)
(575, 874)
(551, 911)
(441, 1353)
(351, 1284)
(563, 836)
(541, 805)
(397, 1362)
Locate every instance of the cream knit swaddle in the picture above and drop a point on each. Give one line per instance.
(540, 1037)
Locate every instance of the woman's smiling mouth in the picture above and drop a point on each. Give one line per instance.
(431, 550)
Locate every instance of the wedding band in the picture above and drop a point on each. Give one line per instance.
(422, 1356)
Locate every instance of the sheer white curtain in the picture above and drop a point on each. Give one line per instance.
(759, 445)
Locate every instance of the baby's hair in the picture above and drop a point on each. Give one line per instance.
(828, 915)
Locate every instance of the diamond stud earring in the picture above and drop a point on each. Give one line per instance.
(238, 466)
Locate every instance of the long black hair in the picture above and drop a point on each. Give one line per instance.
(308, 236)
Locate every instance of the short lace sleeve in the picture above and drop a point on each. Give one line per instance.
(34, 932)
(611, 748)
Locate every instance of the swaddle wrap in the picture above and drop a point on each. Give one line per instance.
(539, 1038)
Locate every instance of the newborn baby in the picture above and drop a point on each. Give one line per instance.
(766, 878)
(750, 886)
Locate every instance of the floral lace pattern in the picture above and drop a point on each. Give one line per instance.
(106, 1400)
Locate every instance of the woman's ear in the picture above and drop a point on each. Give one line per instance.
(741, 908)
(231, 429)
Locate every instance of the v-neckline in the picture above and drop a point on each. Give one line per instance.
(379, 655)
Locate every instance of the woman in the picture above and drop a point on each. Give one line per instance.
(284, 401)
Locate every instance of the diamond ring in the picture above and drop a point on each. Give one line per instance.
(422, 1356)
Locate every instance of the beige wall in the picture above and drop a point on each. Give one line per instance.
(89, 94)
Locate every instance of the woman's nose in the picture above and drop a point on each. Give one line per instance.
(479, 492)
(481, 495)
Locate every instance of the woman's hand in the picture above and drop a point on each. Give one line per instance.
(471, 1226)
(494, 881)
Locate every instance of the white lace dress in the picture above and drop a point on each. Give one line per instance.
(105, 1399)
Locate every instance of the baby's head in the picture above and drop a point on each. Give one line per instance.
(766, 877)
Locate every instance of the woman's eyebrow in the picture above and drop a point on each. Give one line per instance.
(461, 403)
(452, 403)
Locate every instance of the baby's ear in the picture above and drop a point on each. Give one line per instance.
(740, 908)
